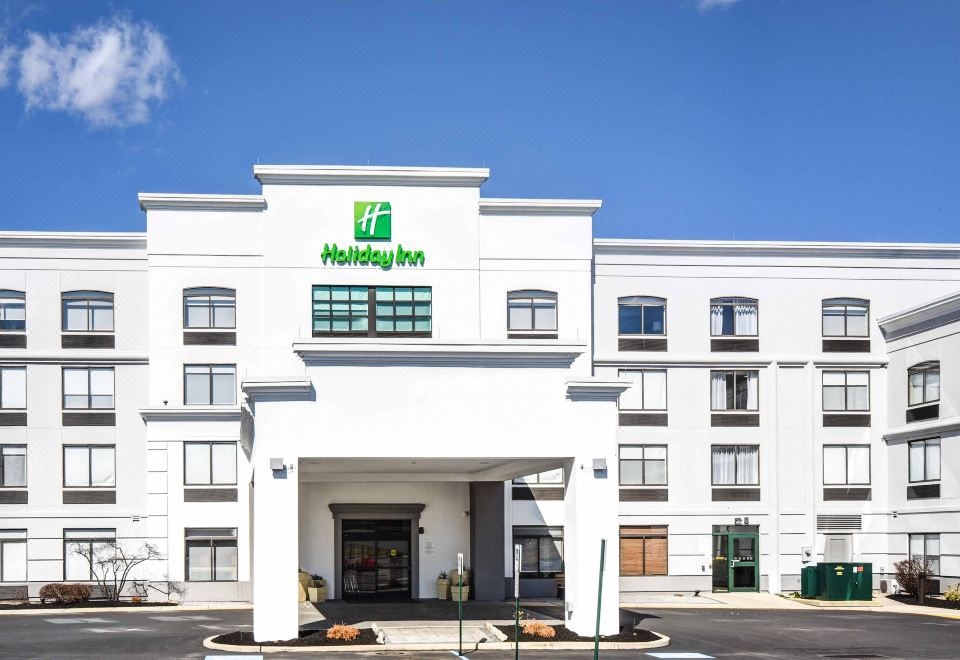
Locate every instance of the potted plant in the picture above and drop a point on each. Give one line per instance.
(443, 586)
(318, 592)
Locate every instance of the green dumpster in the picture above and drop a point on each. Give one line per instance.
(844, 581)
(808, 582)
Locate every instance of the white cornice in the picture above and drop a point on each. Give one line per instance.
(944, 307)
(926, 429)
(657, 359)
(71, 356)
(254, 387)
(377, 176)
(613, 246)
(596, 389)
(411, 352)
(491, 206)
(191, 413)
(84, 240)
(182, 202)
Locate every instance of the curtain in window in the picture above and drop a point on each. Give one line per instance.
(14, 466)
(752, 390)
(718, 390)
(76, 466)
(716, 320)
(13, 559)
(724, 465)
(858, 465)
(745, 319)
(748, 465)
(916, 461)
(655, 390)
(632, 397)
(932, 448)
(101, 467)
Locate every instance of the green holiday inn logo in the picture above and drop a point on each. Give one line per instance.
(371, 220)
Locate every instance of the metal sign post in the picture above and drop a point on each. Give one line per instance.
(596, 635)
(517, 550)
(460, 600)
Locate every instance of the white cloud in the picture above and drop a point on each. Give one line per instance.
(7, 54)
(707, 5)
(109, 73)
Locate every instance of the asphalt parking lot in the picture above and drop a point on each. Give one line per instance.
(707, 633)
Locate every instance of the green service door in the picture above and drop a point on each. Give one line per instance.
(744, 574)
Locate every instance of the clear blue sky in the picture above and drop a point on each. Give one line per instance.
(755, 119)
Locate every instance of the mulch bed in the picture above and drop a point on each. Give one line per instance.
(564, 635)
(36, 605)
(929, 601)
(307, 638)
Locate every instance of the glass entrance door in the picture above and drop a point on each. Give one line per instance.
(376, 559)
(743, 562)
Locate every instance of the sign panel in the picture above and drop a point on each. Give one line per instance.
(372, 221)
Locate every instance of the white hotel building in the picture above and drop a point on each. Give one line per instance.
(248, 387)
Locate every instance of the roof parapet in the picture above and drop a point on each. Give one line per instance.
(370, 175)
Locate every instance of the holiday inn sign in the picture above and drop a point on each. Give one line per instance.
(372, 221)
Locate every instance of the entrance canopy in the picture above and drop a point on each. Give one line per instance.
(316, 469)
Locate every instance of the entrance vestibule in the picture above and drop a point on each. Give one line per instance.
(736, 558)
(375, 559)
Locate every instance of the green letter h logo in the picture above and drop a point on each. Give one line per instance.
(371, 220)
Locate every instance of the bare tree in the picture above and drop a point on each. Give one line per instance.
(111, 565)
(912, 575)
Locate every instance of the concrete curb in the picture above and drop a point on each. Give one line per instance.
(43, 611)
(493, 646)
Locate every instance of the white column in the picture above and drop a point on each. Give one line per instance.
(591, 500)
(275, 551)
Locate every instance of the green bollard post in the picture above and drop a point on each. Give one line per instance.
(596, 635)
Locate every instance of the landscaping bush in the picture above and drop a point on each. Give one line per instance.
(65, 594)
(911, 573)
(537, 629)
(953, 594)
(343, 633)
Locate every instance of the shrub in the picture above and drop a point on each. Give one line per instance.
(136, 599)
(343, 633)
(953, 594)
(537, 629)
(65, 594)
(911, 573)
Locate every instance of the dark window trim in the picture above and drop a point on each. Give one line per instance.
(213, 544)
(643, 391)
(910, 461)
(89, 540)
(736, 475)
(25, 473)
(194, 292)
(545, 535)
(643, 471)
(91, 295)
(14, 366)
(209, 366)
(713, 303)
(922, 368)
(642, 306)
(845, 386)
(735, 371)
(850, 302)
(846, 464)
(517, 294)
(88, 447)
(13, 294)
(210, 444)
(89, 406)
(371, 302)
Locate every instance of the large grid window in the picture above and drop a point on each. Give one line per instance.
(89, 466)
(846, 390)
(846, 465)
(736, 465)
(648, 391)
(541, 550)
(924, 460)
(209, 384)
(13, 466)
(643, 551)
(13, 555)
(734, 390)
(642, 315)
(13, 388)
(209, 307)
(341, 310)
(87, 311)
(531, 311)
(403, 310)
(88, 387)
(923, 383)
(13, 310)
(926, 548)
(846, 317)
(81, 544)
(211, 555)
(209, 463)
(733, 317)
(643, 465)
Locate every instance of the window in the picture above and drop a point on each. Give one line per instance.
(642, 315)
(733, 317)
(643, 551)
(13, 466)
(87, 311)
(347, 310)
(89, 466)
(926, 547)
(403, 310)
(924, 460)
(209, 384)
(846, 317)
(13, 310)
(88, 387)
(734, 390)
(549, 478)
(736, 465)
(846, 465)
(13, 555)
(923, 383)
(648, 392)
(846, 390)
(531, 311)
(541, 550)
(211, 555)
(341, 310)
(209, 463)
(643, 465)
(81, 544)
(209, 307)
(13, 388)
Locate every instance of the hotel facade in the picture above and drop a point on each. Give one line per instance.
(364, 371)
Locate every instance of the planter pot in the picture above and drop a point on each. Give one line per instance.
(454, 578)
(443, 588)
(317, 594)
(455, 593)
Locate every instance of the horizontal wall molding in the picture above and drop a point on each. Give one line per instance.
(898, 251)
(402, 352)
(332, 175)
(71, 357)
(502, 206)
(209, 494)
(78, 240)
(188, 202)
(191, 413)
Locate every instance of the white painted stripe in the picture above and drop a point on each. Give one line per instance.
(679, 655)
